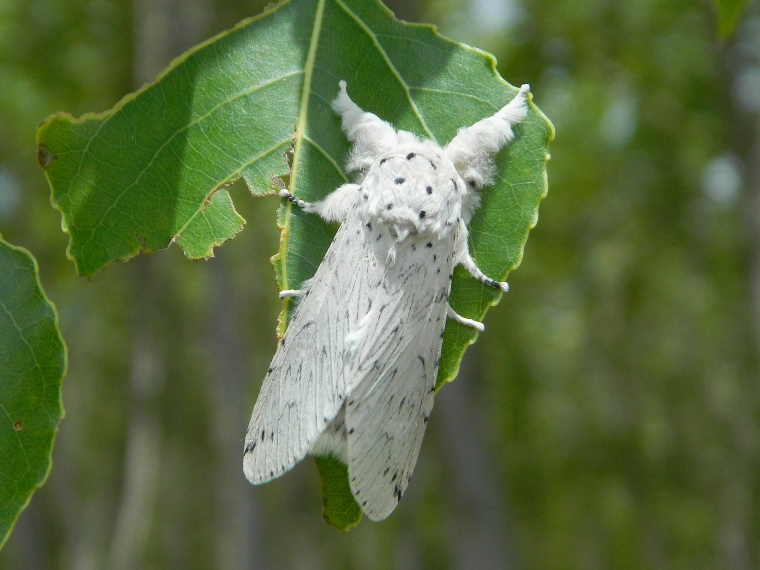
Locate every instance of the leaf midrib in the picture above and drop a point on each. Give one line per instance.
(301, 128)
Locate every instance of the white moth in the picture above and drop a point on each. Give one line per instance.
(355, 373)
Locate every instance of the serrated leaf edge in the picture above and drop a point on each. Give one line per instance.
(65, 350)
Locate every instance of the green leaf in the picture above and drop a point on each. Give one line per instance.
(728, 15)
(213, 225)
(137, 176)
(32, 365)
(340, 509)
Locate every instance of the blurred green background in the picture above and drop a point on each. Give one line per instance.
(609, 417)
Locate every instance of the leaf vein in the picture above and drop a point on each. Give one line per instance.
(165, 143)
(392, 67)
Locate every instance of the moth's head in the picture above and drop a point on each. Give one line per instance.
(415, 186)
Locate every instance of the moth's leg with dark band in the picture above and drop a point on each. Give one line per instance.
(300, 203)
(469, 265)
(334, 208)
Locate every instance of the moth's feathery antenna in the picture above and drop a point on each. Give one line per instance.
(371, 135)
(472, 149)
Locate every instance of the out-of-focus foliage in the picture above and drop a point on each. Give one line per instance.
(728, 15)
(32, 365)
(608, 417)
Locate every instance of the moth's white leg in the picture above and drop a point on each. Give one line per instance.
(462, 253)
(287, 293)
(371, 135)
(488, 135)
(472, 149)
(454, 316)
(334, 208)
(469, 265)
(292, 293)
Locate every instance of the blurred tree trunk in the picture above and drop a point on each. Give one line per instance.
(163, 29)
(479, 525)
(736, 497)
(238, 532)
(142, 457)
(736, 515)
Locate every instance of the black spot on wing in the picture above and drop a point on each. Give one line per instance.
(400, 180)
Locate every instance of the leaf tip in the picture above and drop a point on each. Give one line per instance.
(339, 507)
